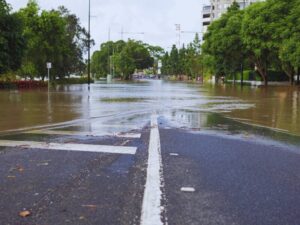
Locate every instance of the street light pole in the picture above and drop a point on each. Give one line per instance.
(242, 63)
(89, 45)
(178, 29)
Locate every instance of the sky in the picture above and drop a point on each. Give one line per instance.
(155, 18)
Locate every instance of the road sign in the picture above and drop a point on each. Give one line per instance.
(49, 65)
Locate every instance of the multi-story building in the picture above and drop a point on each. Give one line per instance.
(206, 17)
(217, 8)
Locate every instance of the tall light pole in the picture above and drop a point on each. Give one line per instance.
(89, 45)
(178, 29)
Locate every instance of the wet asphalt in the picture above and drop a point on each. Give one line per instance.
(236, 181)
(61, 187)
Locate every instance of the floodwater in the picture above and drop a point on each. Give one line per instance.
(129, 105)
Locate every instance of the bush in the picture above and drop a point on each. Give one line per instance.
(81, 80)
(22, 84)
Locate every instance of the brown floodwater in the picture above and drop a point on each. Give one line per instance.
(275, 107)
(128, 104)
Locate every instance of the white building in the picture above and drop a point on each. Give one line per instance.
(217, 8)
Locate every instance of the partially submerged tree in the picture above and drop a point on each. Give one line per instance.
(122, 57)
(11, 40)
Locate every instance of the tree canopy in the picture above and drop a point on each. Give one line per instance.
(265, 35)
(31, 37)
(123, 58)
(184, 61)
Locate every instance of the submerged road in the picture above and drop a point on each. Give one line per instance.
(155, 175)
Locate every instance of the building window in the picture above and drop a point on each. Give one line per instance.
(206, 16)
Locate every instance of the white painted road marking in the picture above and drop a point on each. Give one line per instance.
(69, 147)
(151, 209)
(78, 133)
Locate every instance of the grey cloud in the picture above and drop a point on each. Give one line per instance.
(154, 17)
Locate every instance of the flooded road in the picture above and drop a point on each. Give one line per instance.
(123, 151)
(131, 104)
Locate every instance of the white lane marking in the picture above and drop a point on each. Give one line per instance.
(151, 209)
(174, 154)
(69, 147)
(78, 133)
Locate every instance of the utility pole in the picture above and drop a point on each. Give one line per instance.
(89, 46)
(178, 29)
(109, 34)
(124, 32)
(242, 63)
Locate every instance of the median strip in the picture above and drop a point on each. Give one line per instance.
(69, 147)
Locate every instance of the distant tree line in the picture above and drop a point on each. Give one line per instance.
(122, 59)
(265, 36)
(31, 37)
(184, 61)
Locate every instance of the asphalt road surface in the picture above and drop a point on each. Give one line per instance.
(156, 175)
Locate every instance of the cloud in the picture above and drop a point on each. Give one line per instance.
(157, 18)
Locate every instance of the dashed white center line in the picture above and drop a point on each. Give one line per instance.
(69, 147)
(151, 208)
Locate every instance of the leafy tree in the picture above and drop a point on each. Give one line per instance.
(223, 42)
(174, 61)
(11, 39)
(125, 57)
(52, 36)
(166, 66)
(288, 33)
(257, 36)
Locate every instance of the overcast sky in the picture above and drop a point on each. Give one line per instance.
(156, 18)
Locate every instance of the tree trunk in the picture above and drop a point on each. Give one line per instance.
(264, 75)
(290, 72)
(292, 79)
(265, 79)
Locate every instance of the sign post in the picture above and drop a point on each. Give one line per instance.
(49, 66)
(159, 66)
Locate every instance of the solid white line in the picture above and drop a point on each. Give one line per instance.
(151, 209)
(79, 133)
(69, 147)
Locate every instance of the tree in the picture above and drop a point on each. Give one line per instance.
(223, 42)
(52, 36)
(289, 45)
(257, 35)
(125, 57)
(11, 39)
(166, 66)
(174, 61)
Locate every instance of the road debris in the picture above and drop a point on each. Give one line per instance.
(25, 213)
(187, 189)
